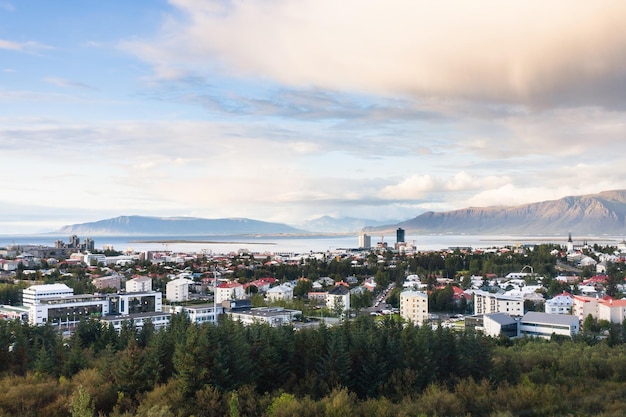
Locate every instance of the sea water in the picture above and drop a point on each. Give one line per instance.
(297, 244)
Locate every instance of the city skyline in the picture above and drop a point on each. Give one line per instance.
(282, 112)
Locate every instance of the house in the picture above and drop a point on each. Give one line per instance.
(560, 304)
(280, 292)
(338, 298)
(414, 306)
(535, 324)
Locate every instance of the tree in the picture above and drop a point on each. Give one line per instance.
(81, 404)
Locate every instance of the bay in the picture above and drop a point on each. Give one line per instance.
(301, 244)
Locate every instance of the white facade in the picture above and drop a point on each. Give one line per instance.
(280, 292)
(178, 289)
(67, 311)
(139, 284)
(338, 296)
(228, 291)
(545, 325)
(274, 316)
(559, 304)
(584, 306)
(485, 303)
(496, 324)
(365, 241)
(613, 311)
(35, 293)
(414, 306)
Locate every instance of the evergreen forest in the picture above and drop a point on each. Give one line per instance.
(363, 367)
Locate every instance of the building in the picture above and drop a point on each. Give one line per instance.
(36, 293)
(535, 324)
(613, 311)
(110, 281)
(338, 299)
(400, 235)
(139, 284)
(280, 292)
(365, 241)
(560, 304)
(69, 310)
(274, 316)
(198, 313)
(228, 291)
(177, 290)
(414, 306)
(500, 324)
(486, 302)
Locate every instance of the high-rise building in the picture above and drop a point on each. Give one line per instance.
(365, 241)
(400, 235)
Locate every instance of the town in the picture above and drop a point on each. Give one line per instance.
(70, 282)
(243, 333)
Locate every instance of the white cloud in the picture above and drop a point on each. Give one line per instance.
(29, 46)
(573, 54)
(414, 187)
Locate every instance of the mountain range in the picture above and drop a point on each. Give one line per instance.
(592, 214)
(143, 225)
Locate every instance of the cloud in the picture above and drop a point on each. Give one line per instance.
(64, 83)
(29, 46)
(549, 53)
(5, 5)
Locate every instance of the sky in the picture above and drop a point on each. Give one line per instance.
(285, 111)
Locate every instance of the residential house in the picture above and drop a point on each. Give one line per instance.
(280, 292)
(560, 304)
(338, 298)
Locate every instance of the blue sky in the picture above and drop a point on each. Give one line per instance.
(285, 111)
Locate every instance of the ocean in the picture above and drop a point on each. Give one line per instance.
(297, 244)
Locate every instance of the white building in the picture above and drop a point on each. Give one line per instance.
(338, 297)
(139, 284)
(560, 304)
(280, 292)
(177, 290)
(486, 302)
(497, 324)
(228, 291)
(414, 306)
(613, 311)
(69, 310)
(35, 293)
(365, 241)
(274, 316)
(199, 313)
(545, 325)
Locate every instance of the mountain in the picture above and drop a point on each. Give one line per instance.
(602, 213)
(142, 225)
(328, 224)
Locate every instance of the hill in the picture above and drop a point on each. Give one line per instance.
(142, 225)
(602, 213)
